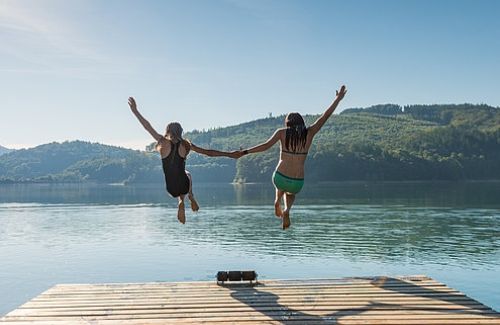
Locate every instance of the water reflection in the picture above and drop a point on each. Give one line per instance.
(390, 233)
(393, 234)
(93, 233)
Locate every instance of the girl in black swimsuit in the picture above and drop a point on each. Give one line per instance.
(174, 150)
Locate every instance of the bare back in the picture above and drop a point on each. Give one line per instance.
(292, 164)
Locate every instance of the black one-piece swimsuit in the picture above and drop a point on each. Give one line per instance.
(174, 168)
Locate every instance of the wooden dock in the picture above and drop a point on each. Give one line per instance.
(374, 300)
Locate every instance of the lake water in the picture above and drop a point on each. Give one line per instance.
(53, 234)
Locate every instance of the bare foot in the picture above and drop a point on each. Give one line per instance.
(194, 205)
(286, 219)
(277, 209)
(181, 213)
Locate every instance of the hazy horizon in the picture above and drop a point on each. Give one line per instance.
(141, 145)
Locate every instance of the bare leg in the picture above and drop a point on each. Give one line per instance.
(181, 213)
(194, 205)
(277, 203)
(289, 199)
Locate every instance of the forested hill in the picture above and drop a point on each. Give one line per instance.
(383, 142)
(78, 161)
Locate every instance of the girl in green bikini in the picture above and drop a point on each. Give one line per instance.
(295, 140)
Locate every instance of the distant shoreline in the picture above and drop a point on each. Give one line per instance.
(8, 182)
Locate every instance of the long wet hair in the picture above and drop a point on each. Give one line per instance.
(296, 132)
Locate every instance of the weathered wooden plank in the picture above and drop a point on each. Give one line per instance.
(263, 320)
(235, 317)
(262, 298)
(222, 290)
(464, 303)
(285, 283)
(201, 312)
(258, 297)
(256, 294)
(256, 302)
(212, 283)
(268, 283)
(302, 307)
(409, 290)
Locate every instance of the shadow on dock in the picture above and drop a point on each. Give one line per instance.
(413, 289)
(268, 303)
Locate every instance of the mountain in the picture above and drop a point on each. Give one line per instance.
(4, 150)
(77, 161)
(382, 142)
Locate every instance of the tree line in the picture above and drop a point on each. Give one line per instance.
(382, 142)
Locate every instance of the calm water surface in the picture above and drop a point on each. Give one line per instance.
(53, 234)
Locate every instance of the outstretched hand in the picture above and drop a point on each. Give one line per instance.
(341, 93)
(132, 104)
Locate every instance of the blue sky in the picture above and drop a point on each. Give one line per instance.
(67, 67)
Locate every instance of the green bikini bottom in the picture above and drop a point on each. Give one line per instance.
(287, 184)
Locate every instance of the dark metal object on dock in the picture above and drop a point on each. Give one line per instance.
(223, 276)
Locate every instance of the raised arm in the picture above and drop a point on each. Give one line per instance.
(216, 153)
(266, 145)
(318, 124)
(144, 122)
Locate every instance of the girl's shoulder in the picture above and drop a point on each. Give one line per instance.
(281, 130)
(186, 144)
(163, 143)
(282, 133)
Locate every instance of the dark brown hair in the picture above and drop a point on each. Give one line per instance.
(296, 132)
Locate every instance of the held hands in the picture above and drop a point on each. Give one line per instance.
(132, 104)
(237, 154)
(341, 93)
